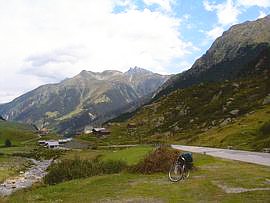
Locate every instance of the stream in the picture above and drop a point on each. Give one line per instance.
(27, 179)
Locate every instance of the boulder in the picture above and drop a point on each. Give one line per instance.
(234, 112)
(176, 128)
(182, 112)
(266, 100)
(225, 122)
(235, 85)
(213, 123)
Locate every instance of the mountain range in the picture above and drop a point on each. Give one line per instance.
(230, 80)
(89, 98)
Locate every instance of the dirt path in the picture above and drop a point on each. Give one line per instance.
(239, 155)
(24, 180)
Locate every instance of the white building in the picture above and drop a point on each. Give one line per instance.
(63, 141)
(52, 144)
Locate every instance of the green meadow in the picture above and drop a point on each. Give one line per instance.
(212, 180)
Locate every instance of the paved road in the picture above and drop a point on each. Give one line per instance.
(239, 155)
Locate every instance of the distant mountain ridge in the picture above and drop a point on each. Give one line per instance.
(89, 98)
(229, 57)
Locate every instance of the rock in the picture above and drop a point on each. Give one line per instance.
(161, 119)
(204, 124)
(176, 128)
(228, 103)
(266, 100)
(182, 112)
(204, 129)
(217, 96)
(235, 85)
(234, 112)
(226, 121)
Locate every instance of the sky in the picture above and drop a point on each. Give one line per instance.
(47, 41)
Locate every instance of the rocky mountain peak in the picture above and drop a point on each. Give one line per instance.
(137, 71)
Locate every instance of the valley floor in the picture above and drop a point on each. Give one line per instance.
(212, 180)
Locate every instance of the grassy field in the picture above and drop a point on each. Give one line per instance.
(17, 133)
(129, 155)
(10, 166)
(213, 180)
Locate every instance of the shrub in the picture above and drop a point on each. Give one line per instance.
(159, 160)
(265, 129)
(8, 143)
(94, 146)
(74, 169)
(112, 166)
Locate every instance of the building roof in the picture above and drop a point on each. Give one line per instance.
(99, 129)
(51, 143)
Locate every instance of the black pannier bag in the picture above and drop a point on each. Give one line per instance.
(188, 158)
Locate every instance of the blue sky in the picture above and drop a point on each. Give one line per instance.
(48, 41)
(197, 21)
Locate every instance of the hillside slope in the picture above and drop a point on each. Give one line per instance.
(230, 82)
(215, 114)
(16, 132)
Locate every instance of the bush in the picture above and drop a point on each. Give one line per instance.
(8, 143)
(111, 166)
(159, 160)
(265, 129)
(74, 169)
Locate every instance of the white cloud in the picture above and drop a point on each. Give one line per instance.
(164, 4)
(49, 40)
(262, 14)
(259, 3)
(215, 32)
(226, 12)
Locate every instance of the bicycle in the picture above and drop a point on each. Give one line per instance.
(180, 170)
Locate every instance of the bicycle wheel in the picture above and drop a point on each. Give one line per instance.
(185, 171)
(176, 173)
